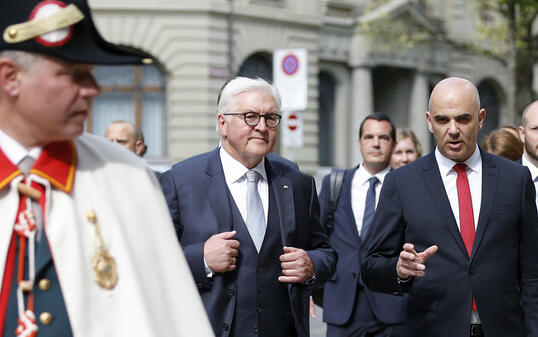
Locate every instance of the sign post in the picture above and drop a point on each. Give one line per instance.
(290, 77)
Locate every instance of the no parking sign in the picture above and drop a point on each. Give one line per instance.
(290, 77)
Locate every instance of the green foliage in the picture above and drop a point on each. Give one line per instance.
(494, 24)
(392, 32)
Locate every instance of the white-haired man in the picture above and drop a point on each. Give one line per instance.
(249, 225)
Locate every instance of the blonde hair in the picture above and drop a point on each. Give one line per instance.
(402, 134)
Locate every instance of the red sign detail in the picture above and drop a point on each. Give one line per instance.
(43, 39)
(292, 122)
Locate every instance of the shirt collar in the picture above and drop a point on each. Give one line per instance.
(235, 171)
(364, 175)
(531, 167)
(445, 164)
(56, 162)
(14, 151)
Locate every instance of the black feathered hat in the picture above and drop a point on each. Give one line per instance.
(63, 29)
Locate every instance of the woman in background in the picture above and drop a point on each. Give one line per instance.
(503, 143)
(407, 149)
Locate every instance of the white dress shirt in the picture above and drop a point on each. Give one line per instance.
(359, 188)
(474, 175)
(236, 180)
(14, 151)
(534, 174)
(449, 177)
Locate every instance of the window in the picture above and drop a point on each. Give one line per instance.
(257, 65)
(489, 100)
(135, 94)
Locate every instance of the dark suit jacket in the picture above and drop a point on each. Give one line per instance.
(275, 157)
(502, 272)
(197, 195)
(340, 292)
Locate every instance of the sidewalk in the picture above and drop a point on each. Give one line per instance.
(317, 327)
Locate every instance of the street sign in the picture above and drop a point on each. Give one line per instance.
(290, 77)
(292, 129)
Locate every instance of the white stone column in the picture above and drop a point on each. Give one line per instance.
(418, 105)
(362, 104)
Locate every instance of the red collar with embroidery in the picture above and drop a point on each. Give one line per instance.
(57, 164)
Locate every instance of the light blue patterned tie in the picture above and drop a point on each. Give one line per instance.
(255, 216)
(26, 164)
(369, 208)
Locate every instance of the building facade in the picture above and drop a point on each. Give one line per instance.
(199, 44)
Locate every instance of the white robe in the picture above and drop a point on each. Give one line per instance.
(155, 294)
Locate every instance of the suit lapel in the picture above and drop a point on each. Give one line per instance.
(489, 185)
(436, 189)
(217, 193)
(346, 203)
(283, 190)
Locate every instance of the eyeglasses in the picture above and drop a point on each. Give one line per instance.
(253, 118)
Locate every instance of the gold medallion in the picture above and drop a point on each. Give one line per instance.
(103, 263)
(105, 269)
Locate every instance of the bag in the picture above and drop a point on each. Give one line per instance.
(335, 186)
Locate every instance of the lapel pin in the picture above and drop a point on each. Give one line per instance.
(103, 263)
(285, 187)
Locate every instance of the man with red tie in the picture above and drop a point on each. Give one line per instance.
(457, 231)
(87, 246)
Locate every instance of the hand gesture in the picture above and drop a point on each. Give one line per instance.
(411, 263)
(296, 266)
(220, 252)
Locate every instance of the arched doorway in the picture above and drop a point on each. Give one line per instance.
(257, 65)
(488, 91)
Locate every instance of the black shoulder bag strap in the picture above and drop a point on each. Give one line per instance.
(335, 186)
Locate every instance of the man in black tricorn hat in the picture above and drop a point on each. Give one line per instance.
(87, 247)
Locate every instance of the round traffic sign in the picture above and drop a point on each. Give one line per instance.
(290, 64)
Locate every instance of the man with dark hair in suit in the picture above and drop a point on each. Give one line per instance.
(349, 308)
(467, 223)
(249, 225)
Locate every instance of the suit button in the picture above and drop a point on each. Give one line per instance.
(259, 308)
(260, 290)
(470, 271)
(354, 275)
(225, 326)
(45, 318)
(255, 330)
(44, 284)
(258, 269)
(231, 291)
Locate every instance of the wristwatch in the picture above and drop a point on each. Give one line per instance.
(309, 282)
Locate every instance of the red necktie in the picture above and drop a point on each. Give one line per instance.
(466, 210)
